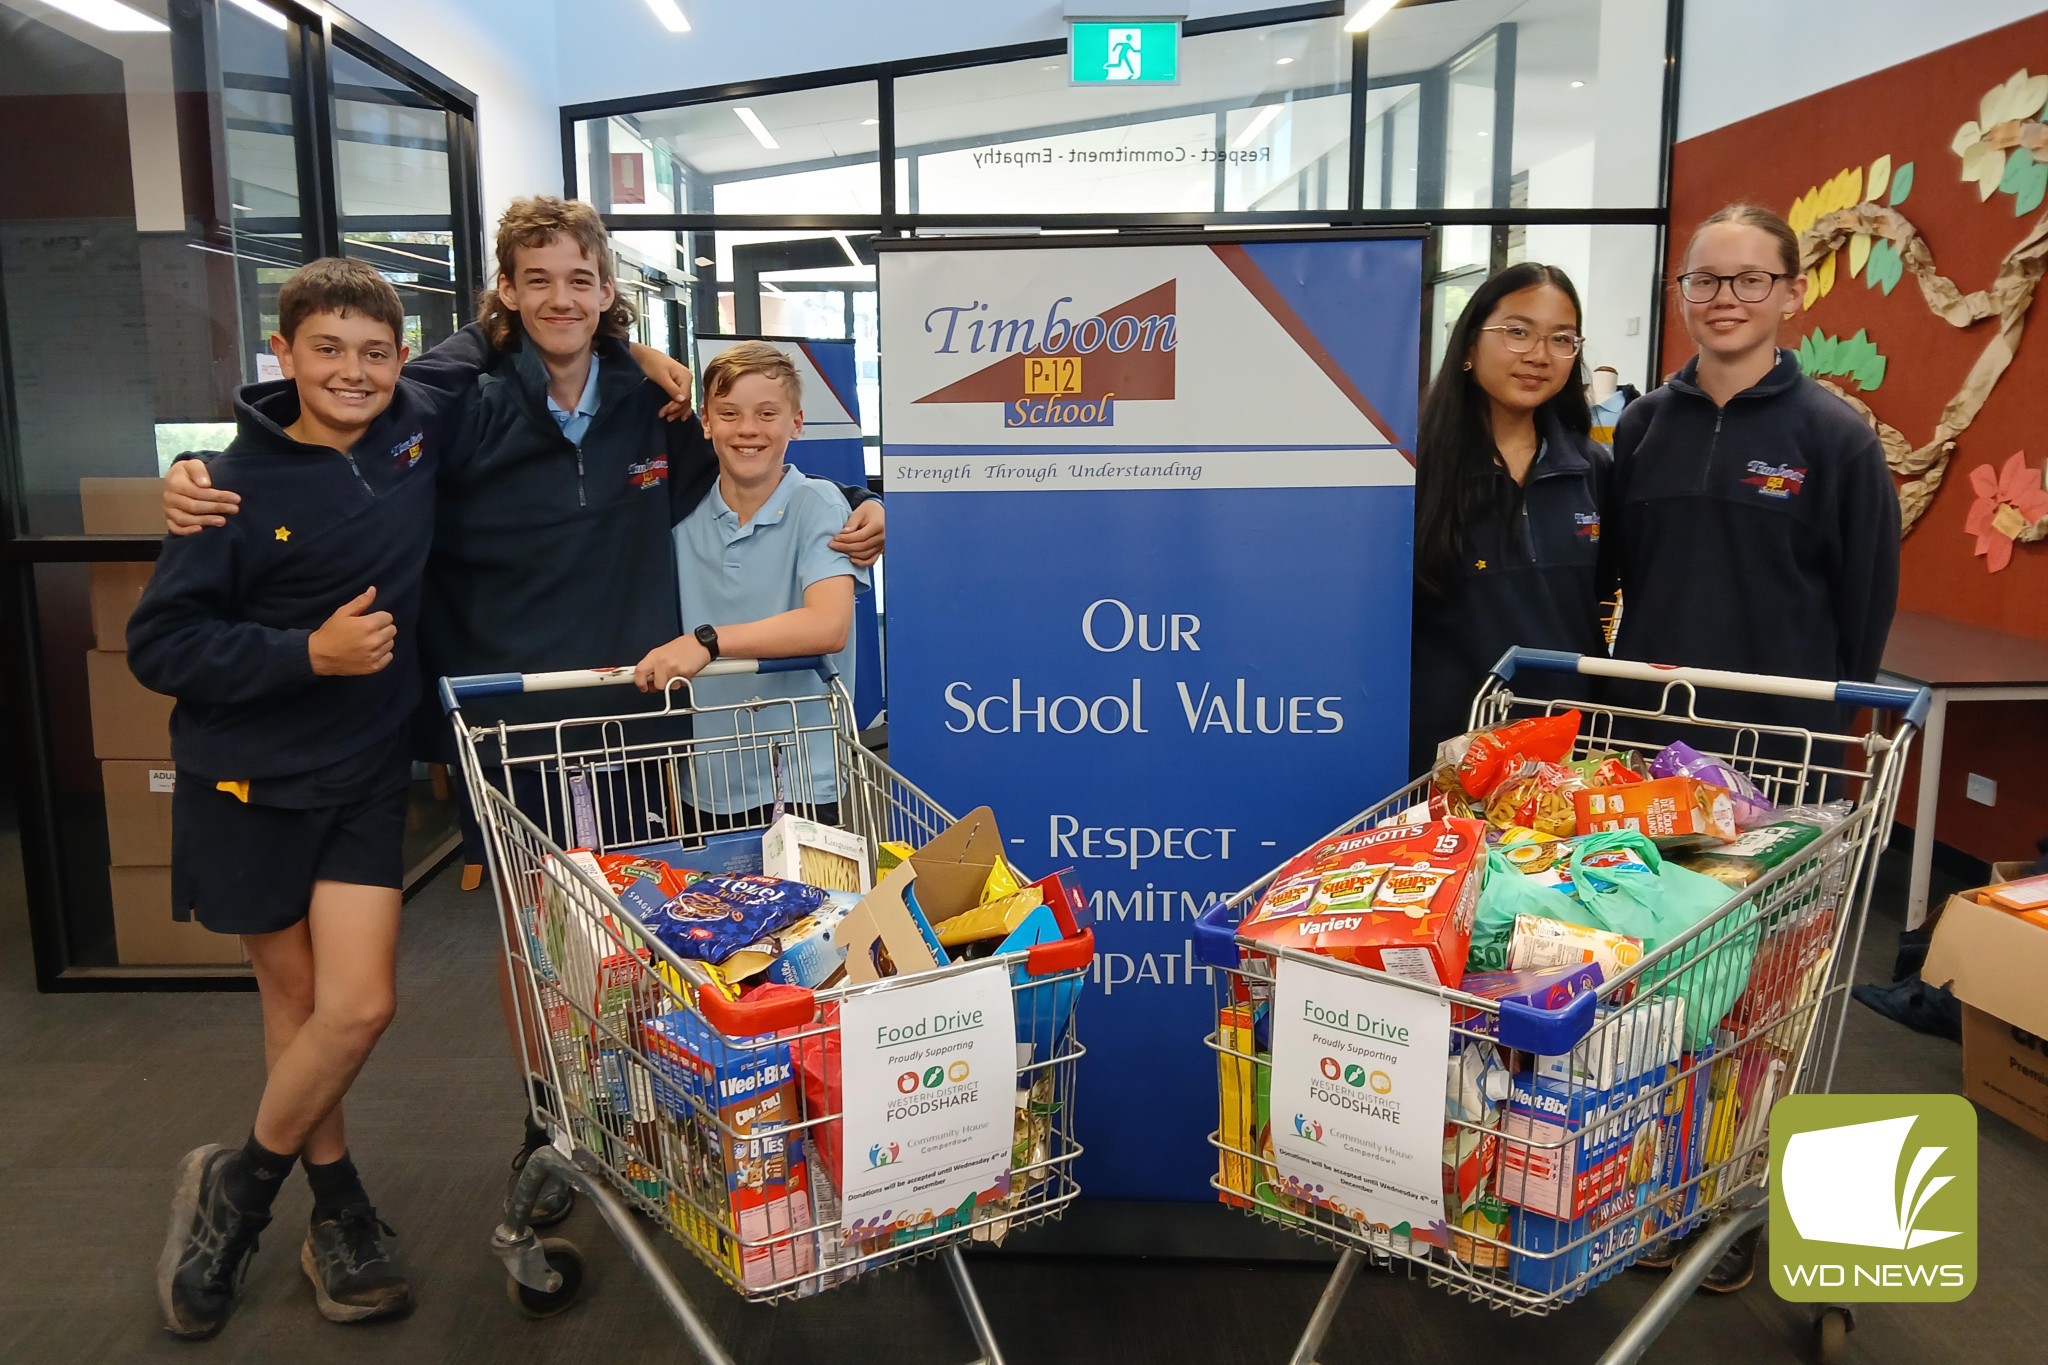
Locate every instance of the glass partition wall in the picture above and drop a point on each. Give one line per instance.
(1530, 130)
(164, 166)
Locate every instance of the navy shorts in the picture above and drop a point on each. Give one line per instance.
(247, 869)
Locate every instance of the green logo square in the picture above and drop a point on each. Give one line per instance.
(1873, 1198)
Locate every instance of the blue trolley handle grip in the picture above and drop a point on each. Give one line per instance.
(455, 691)
(1912, 702)
(1216, 936)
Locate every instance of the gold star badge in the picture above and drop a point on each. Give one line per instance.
(1480, 565)
(285, 533)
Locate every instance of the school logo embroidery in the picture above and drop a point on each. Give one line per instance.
(1775, 480)
(408, 451)
(1588, 524)
(648, 473)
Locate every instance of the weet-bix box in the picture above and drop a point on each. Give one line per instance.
(747, 1085)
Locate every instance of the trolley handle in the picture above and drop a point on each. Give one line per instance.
(1216, 936)
(1913, 702)
(454, 691)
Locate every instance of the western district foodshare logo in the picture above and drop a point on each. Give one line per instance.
(1873, 1198)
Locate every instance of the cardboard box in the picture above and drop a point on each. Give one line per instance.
(1661, 808)
(138, 795)
(1995, 962)
(128, 720)
(145, 935)
(116, 588)
(122, 507)
(883, 937)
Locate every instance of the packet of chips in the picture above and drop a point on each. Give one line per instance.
(718, 916)
(1492, 755)
(1679, 759)
(1607, 770)
(1002, 881)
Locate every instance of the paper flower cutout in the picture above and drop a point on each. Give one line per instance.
(2006, 502)
(1983, 143)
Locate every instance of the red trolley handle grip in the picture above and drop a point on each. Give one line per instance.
(1061, 955)
(786, 1009)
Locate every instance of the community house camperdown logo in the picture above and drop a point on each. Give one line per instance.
(1873, 1198)
(1056, 369)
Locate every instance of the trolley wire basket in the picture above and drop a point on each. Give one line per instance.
(1576, 1137)
(718, 1120)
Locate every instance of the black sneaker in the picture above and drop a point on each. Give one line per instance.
(1736, 1266)
(557, 1196)
(208, 1247)
(355, 1275)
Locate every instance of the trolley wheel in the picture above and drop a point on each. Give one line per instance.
(1831, 1336)
(565, 1260)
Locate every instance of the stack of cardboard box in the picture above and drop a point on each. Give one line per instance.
(131, 737)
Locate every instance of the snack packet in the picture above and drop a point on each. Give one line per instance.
(1538, 797)
(1491, 754)
(1679, 759)
(1608, 770)
(718, 916)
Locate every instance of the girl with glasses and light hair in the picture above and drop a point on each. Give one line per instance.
(1753, 525)
(1508, 492)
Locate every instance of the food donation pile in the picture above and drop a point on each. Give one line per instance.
(724, 1133)
(1526, 876)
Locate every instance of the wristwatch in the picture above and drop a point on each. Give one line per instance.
(707, 636)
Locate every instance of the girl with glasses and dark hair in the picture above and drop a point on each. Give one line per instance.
(1508, 492)
(1753, 525)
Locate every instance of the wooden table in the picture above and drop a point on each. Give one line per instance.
(1956, 662)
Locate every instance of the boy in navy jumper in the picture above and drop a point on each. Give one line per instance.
(287, 637)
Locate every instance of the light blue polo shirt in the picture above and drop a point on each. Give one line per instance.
(730, 574)
(574, 424)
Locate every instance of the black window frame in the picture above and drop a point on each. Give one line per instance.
(893, 221)
(312, 29)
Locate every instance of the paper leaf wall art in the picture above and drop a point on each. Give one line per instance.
(1854, 357)
(2007, 500)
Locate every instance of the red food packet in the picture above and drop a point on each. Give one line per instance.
(621, 870)
(1494, 754)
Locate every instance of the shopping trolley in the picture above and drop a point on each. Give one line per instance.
(635, 1125)
(1664, 1128)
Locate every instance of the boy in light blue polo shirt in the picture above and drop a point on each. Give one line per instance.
(759, 580)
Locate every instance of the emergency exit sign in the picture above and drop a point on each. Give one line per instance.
(1123, 52)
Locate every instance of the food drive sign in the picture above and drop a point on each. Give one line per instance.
(1358, 1098)
(1150, 529)
(929, 1075)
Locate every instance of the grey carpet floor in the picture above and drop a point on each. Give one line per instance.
(100, 1094)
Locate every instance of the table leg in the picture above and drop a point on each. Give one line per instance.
(1923, 810)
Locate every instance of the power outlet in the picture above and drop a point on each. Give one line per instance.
(1982, 790)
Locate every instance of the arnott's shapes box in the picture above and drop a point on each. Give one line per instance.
(1996, 961)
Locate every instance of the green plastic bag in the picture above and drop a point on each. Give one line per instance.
(1657, 903)
(1504, 894)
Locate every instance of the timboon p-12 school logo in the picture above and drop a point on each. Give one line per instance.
(1776, 480)
(1057, 370)
(1873, 1198)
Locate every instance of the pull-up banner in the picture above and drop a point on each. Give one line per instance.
(1151, 515)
